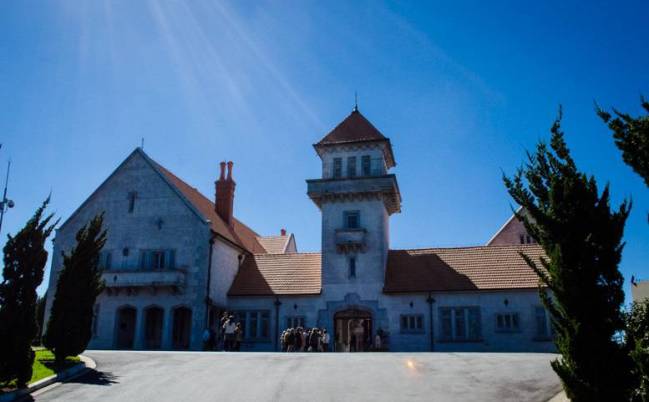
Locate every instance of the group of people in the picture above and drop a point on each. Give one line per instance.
(305, 340)
(227, 336)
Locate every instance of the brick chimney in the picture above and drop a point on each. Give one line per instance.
(283, 232)
(224, 204)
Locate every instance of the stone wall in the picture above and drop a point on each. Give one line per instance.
(160, 220)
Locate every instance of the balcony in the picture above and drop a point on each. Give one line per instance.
(383, 187)
(132, 281)
(350, 240)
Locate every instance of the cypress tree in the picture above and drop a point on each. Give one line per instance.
(40, 316)
(24, 263)
(582, 239)
(631, 136)
(637, 338)
(79, 283)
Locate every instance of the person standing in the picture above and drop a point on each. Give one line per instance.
(238, 337)
(325, 340)
(229, 329)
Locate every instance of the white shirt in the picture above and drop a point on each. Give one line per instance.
(229, 327)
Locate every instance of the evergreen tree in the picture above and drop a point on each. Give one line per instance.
(79, 283)
(40, 317)
(631, 136)
(24, 263)
(582, 239)
(637, 338)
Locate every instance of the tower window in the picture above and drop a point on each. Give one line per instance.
(351, 166)
(352, 267)
(352, 219)
(338, 168)
(365, 165)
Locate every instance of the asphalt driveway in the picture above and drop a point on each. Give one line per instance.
(197, 376)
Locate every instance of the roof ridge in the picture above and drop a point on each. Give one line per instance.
(470, 247)
(289, 254)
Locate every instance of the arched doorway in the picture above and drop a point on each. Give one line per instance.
(153, 317)
(125, 327)
(182, 327)
(353, 330)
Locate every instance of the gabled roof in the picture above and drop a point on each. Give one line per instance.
(278, 274)
(513, 220)
(460, 269)
(356, 129)
(238, 233)
(275, 244)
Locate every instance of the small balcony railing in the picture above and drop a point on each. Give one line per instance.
(135, 280)
(350, 240)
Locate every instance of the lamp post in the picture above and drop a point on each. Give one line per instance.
(5, 203)
(277, 304)
(430, 300)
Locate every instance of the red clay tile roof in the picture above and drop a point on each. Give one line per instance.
(278, 274)
(275, 244)
(354, 128)
(455, 269)
(238, 233)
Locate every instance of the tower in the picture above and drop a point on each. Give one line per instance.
(356, 195)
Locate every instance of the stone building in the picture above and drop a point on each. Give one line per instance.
(175, 260)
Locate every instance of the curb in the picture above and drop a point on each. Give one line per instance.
(76, 370)
(560, 397)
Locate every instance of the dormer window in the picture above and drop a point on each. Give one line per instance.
(338, 168)
(352, 219)
(351, 166)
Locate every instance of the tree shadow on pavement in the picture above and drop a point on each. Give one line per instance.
(94, 377)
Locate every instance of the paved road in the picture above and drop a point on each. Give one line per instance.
(242, 377)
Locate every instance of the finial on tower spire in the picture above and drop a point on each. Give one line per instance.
(355, 102)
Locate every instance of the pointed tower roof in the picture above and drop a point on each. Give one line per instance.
(356, 129)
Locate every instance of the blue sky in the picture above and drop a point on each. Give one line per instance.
(462, 90)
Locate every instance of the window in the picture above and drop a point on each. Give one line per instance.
(351, 166)
(366, 165)
(352, 267)
(255, 324)
(543, 327)
(157, 259)
(352, 219)
(294, 322)
(338, 168)
(131, 201)
(526, 239)
(95, 320)
(105, 260)
(412, 323)
(460, 323)
(507, 322)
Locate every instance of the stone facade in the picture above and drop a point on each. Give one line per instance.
(160, 220)
(171, 261)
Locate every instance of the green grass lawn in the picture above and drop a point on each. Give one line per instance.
(43, 367)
